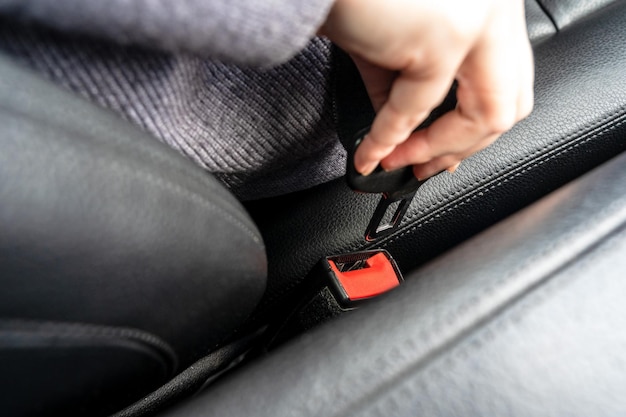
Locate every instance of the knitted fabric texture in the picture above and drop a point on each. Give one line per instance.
(262, 131)
(255, 32)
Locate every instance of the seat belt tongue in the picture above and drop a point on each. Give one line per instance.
(393, 184)
(398, 186)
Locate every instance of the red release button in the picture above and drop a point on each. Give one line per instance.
(376, 277)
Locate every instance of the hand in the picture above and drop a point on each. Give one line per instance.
(409, 52)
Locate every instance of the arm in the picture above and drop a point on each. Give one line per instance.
(265, 32)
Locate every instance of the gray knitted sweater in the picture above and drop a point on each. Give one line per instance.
(242, 88)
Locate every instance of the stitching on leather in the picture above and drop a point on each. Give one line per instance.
(163, 184)
(583, 131)
(137, 146)
(496, 328)
(192, 196)
(476, 192)
(84, 329)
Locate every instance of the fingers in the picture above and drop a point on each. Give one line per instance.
(410, 101)
(492, 62)
(495, 91)
(454, 135)
(449, 162)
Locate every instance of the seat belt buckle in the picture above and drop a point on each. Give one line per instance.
(354, 278)
(336, 284)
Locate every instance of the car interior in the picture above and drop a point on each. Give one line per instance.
(135, 284)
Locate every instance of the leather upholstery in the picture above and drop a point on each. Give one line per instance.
(108, 235)
(538, 23)
(527, 318)
(565, 12)
(119, 259)
(579, 121)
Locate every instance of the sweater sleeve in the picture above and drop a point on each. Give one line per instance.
(248, 32)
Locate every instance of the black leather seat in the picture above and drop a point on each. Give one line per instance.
(121, 263)
(129, 274)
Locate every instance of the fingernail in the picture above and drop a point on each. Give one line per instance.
(422, 175)
(367, 168)
(388, 168)
(453, 168)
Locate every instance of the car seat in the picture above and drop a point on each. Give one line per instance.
(133, 281)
